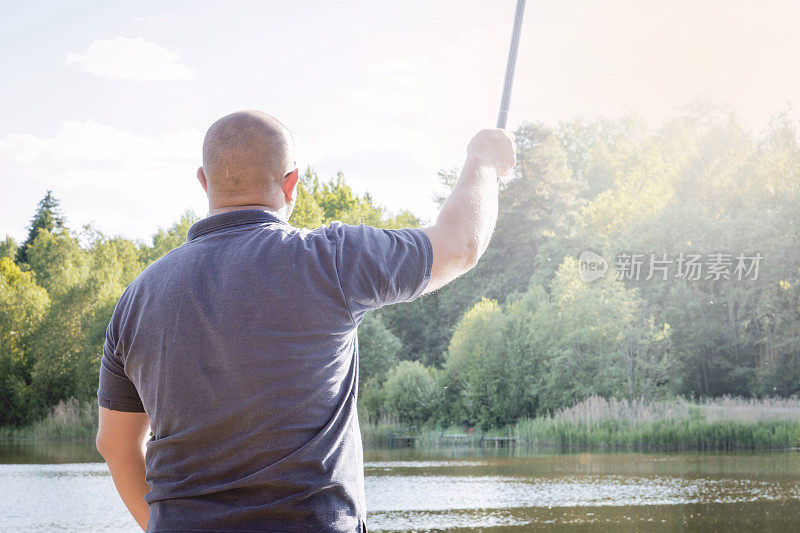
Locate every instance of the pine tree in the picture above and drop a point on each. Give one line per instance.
(48, 217)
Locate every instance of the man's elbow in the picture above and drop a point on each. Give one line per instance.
(472, 253)
(115, 451)
(455, 252)
(101, 443)
(106, 446)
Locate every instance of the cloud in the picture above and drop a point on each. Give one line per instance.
(89, 141)
(154, 18)
(123, 58)
(394, 66)
(126, 182)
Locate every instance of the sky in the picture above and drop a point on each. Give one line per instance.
(106, 103)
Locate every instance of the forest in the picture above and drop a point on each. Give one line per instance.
(690, 229)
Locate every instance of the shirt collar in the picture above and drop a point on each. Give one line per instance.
(230, 219)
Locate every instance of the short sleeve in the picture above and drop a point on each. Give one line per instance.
(116, 391)
(378, 267)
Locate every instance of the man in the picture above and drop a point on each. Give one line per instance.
(238, 350)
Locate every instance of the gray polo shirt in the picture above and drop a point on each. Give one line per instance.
(241, 347)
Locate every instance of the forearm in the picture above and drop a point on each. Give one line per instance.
(466, 222)
(128, 471)
(470, 212)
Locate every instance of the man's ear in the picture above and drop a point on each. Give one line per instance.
(289, 185)
(201, 177)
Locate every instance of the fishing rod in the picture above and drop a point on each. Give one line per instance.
(510, 64)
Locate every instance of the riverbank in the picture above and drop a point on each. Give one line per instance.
(69, 420)
(595, 424)
(669, 425)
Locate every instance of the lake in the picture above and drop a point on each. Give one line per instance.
(66, 487)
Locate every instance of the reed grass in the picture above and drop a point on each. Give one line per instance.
(594, 424)
(69, 420)
(676, 424)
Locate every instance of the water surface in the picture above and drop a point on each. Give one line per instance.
(65, 487)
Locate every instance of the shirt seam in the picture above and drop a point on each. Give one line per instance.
(426, 278)
(339, 280)
(121, 403)
(106, 398)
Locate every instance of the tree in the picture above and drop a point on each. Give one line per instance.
(8, 248)
(378, 348)
(66, 346)
(166, 240)
(423, 326)
(473, 368)
(447, 181)
(307, 213)
(23, 304)
(520, 335)
(544, 352)
(321, 202)
(541, 200)
(371, 400)
(58, 261)
(596, 339)
(593, 148)
(411, 393)
(48, 218)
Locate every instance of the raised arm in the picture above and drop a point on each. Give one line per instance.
(466, 221)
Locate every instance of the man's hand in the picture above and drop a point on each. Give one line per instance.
(120, 440)
(495, 148)
(466, 221)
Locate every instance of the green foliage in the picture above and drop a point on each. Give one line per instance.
(8, 248)
(65, 348)
(22, 305)
(378, 348)
(411, 393)
(55, 306)
(323, 202)
(592, 148)
(597, 339)
(307, 212)
(69, 420)
(700, 184)
(48, 218)
(57, 312)
(541, 200)
(544, 352)
(58, 261)
(447, 180)
(520, 336)
(166, 240)
(371, 400)
(476, 375)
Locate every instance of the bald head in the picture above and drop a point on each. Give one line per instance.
(246, 154)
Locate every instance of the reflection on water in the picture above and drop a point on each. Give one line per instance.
(439, 493)
(749, 517)
(462, 489)
(48, 452)
(64, 487)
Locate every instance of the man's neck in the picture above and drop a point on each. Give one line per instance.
(228, 208)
